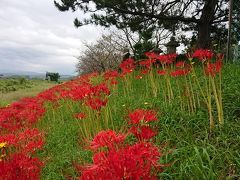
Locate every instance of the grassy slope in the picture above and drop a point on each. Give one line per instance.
(197, 155)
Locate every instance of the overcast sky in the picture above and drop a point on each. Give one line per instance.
(36, 37)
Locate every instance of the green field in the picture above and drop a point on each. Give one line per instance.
(13, 89)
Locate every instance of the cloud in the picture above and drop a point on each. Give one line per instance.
(36, 37)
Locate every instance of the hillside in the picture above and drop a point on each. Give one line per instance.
(174, 121)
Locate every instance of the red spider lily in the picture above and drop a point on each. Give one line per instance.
(180, 64)
(108, 75)
(151, 55)
(203, 54)
(96, 103)
(141, 115)
(107, 138)
(20, 166)
(144, 71)
(127, 66)
(100, 89)
(80, 115)
(114, 82)
(213, 68)
(138, 77)
(22, 113)
(26, 142)
(10, 139)
(143, 132)
(78, 92)
(99, 157)
(180, 72)
(167, 58)
(17, 162)
(147, 63)
(161, 72)
(139, 161)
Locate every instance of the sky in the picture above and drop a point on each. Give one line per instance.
(36, 37)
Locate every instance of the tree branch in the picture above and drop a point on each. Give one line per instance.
(160, 16)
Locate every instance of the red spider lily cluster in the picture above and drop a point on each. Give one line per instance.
(189, 87)
(16, 157)
(182, 67)
(81, 89)
(20, 114)
(113, 158)
(203, 54)
(127, 66)
(139, 121)
(20, 140)
(111, 76)
(213, 68)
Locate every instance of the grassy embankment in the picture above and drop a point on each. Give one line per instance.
(197, 152)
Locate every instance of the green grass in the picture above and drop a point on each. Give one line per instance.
(62, 143)
(197, 152)
(28, 89)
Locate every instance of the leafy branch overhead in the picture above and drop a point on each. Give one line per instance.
(199, 15)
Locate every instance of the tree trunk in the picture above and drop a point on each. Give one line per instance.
(204, 26)
(204, 40)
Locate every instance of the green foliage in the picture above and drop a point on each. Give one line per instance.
(52, 76)
(9, 85)
(145, 45)
(11, 92)
(139, 15)
(62, 148)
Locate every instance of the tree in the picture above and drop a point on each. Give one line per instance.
(52, 76)
(101, 56)
(199, 15)
(141, 42)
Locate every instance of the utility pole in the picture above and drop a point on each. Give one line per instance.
(229, 31)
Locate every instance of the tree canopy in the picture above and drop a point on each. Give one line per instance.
(138, 15)
(105, 54)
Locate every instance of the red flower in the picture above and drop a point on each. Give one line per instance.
(96, 103)
(142, 115)
(167, 58)
(108, 75)
(114, 82)
(203, 54)
(139, 161)
(180, 72)
(161, 72)
(180, 64)
(100, 89)
(151, 55)
(80, 115)
(127, 66)
(143, 132)
(107, 139)
(213, 68)
(144, 71)
(147, 63)
(20, 166)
